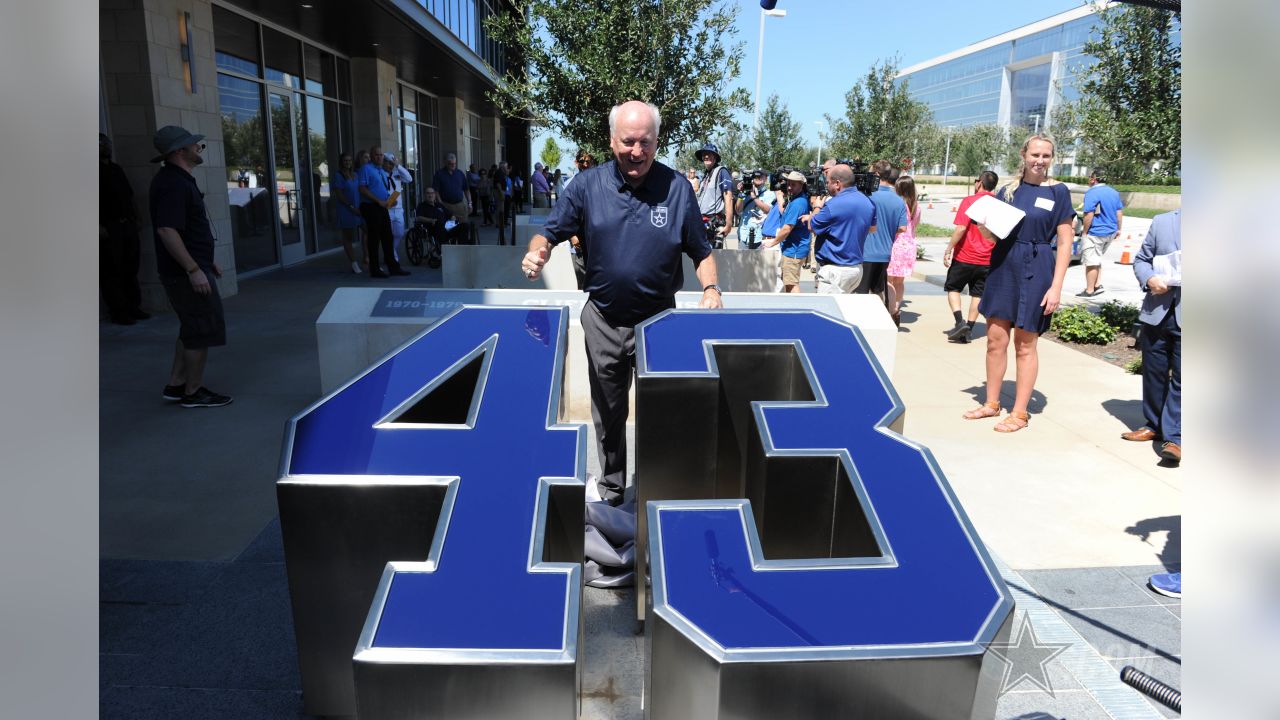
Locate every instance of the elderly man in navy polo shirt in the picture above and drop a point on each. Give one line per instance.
(634, 217)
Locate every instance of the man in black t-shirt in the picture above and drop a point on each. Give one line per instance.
(184, 259)
(435, 216)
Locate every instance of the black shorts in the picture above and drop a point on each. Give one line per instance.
(203, 325)
(963, 273)
(875, 276)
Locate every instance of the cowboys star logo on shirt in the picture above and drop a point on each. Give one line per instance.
(658, 216)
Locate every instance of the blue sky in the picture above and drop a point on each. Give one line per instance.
(813, 56)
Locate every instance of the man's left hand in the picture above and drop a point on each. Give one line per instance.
(711, 300)
(217, 270)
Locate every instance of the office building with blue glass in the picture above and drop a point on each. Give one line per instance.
(281, 90)
(1015, 79)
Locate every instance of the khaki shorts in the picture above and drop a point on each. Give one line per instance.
(838, 279)
(791, 270)
(1093, 247)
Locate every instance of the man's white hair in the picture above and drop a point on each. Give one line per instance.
(613, 118)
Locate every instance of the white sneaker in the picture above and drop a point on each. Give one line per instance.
(355, 268)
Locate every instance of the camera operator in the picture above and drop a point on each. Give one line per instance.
(793, 235)
(715, 195)
(754, 202)
(844, 222)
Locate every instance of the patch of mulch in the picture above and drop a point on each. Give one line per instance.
(1119, 352)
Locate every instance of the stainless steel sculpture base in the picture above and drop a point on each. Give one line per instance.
(465, 692)
(686, 682)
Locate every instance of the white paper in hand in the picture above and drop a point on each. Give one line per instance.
(1169, 267)
(449, 225)
(1000, 217)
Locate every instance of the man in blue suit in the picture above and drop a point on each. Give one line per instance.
(1161, 339)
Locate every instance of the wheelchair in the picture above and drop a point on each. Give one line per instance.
(420, 245)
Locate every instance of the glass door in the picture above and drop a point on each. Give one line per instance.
(289, 211)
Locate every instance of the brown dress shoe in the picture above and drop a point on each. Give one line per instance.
(1145, 434)
(1171, 452)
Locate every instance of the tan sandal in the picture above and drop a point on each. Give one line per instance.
(1013, 422)
(986, 410)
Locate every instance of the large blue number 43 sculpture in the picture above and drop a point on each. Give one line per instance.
(806, 561)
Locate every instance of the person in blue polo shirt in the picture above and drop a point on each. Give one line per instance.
(844, 222)
(375, 185)
(891, 219)
(634, 217)
(1103, 218)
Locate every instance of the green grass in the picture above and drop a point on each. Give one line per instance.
(927, 230)
(1162, 189)
(1142, 212)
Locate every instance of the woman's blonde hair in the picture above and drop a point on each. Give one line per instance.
(1013, 184)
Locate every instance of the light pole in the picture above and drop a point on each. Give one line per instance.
(946, 164)
(819, 123)
(1037, 130)
(755, 119)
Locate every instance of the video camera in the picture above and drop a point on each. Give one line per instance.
(864, 180)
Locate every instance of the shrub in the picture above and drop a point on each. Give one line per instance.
(1119, 315)
(1078, 325)
(1134, 366)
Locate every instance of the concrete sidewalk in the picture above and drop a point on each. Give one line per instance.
(195, 618)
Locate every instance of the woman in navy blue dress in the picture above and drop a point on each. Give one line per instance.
(1024, 285)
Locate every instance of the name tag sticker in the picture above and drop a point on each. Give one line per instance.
(1044, 204)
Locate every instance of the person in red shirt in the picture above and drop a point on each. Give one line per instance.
(968, 259)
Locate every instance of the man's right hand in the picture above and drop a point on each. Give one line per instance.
(1157, 285)
(199, 282)
(533, 262)
(946, 258)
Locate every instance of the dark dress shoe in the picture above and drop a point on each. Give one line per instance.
(140, 315)
(123, 321)
(1172, 452)
(378, 274)
(399, 271)
(1145, 434)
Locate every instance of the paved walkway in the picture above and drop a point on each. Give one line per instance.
(195, 618)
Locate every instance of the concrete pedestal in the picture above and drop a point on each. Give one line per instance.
(361, 325)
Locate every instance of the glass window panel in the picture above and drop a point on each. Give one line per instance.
(320, 74)
(282, 56)
(408, 103)
(248, 174)
(322, 139)
(1030, 93)
(348, 145)
(235, 42)
(344, 80)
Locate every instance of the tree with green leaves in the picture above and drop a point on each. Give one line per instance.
(977, 148)
(1129, 115)
(582, 58)
(551, 154)
(776, 140)
(880, 120)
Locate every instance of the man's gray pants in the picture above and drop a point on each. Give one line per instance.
(611, 362)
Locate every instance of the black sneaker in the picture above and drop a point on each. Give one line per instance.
(173, 393)
(204, 397)
(961, 336)
(955, 332)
